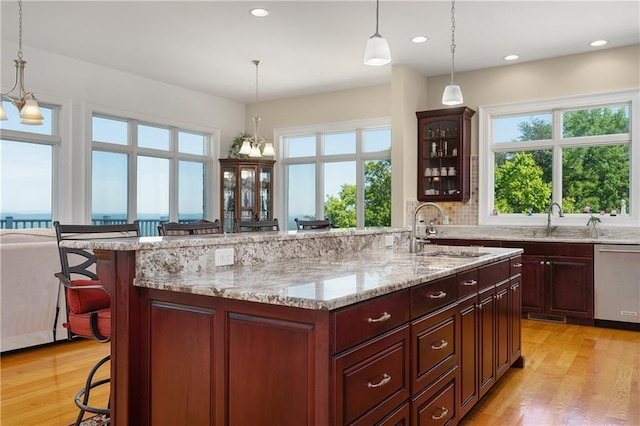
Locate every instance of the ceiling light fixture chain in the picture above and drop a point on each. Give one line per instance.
(251, 145)
(452, 94)
(453, 36)
(23, 100)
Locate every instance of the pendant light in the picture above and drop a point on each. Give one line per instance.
(24, 101)
(452, 93)
(377, 52)
(251, 145)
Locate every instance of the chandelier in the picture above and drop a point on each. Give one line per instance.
(452, 93)
(23, 100)
(251, 145)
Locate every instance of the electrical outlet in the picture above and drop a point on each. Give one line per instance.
(224, 257)
(388, 240)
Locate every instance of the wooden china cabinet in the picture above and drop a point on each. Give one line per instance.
(444, 148)
(246, 190)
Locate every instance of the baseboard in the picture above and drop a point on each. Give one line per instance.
(632, 326)
(545, 317)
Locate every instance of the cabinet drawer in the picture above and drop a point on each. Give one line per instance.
(436, 405)
(430, 296)
(515, 266)
(467, 282)
(493, 273)
(399, 417)
(372, 379)
(433, 347)
(365, 320)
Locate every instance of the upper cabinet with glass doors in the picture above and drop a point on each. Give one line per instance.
(246, 190)
(444, 145)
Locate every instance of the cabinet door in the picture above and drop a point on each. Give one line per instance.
(228, 207)
(468, 354)
(486, 340)
(515, 318)
(502, 329)
(265, 182)
(570, 286)
(247, 193)
(533, 279)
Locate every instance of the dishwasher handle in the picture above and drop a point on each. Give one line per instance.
(602, 250)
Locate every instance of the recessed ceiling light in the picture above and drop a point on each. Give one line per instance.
(259, 12)
(511, 57)
(419, 39)
(598, 43)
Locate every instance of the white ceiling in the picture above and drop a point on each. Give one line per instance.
(309, 46)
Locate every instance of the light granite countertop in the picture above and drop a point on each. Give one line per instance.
(325, 282)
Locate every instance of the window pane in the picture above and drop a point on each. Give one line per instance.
(13, 120)
(27, 184)
(377, 193)
(191, 143)
(153, 137)
(597, 177)
(340, 193)
(522, 128)
(377, 140)
(596, 121)
(339, 143)
(301, 193)
(301, 146)
(153, 188)
(109, 130)
(190, 191)
(109, 183)
(523, 181)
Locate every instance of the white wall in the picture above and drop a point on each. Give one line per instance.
(83, 87)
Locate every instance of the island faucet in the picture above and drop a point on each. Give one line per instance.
(414, 220)
(549, 213)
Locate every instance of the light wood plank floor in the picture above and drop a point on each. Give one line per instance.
(574, 375)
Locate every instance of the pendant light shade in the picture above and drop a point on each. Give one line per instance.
(452, 94)
(377, 52)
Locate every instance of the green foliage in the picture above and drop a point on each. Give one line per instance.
(341, 210)
(519, 186)
(596, 176)
(236, 144)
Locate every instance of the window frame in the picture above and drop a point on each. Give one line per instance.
(557, 106)
(131, 148)
(319, 159)
(56, 140)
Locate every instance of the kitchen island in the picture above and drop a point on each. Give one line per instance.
(306, 329)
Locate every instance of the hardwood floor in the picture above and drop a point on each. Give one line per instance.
(574, 375)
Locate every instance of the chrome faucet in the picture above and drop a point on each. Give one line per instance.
(432, 229)
(549, 213)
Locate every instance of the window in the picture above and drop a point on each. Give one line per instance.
(339, 172)
(27, 158)
(147, 172)
(576, 152)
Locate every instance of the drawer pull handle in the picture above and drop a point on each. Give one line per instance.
(385, 316)
(439, 295)
(517, 265)
(470, 283)
(443, 344)
(444, 413)
(385, 379)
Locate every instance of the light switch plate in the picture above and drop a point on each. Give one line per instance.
(224, 257)
(388, 240)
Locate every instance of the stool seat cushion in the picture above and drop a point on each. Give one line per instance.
(83, 301)
(81, 324)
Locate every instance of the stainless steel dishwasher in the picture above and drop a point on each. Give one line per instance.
(617, 282)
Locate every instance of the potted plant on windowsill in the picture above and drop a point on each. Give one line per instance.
(236, 144)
